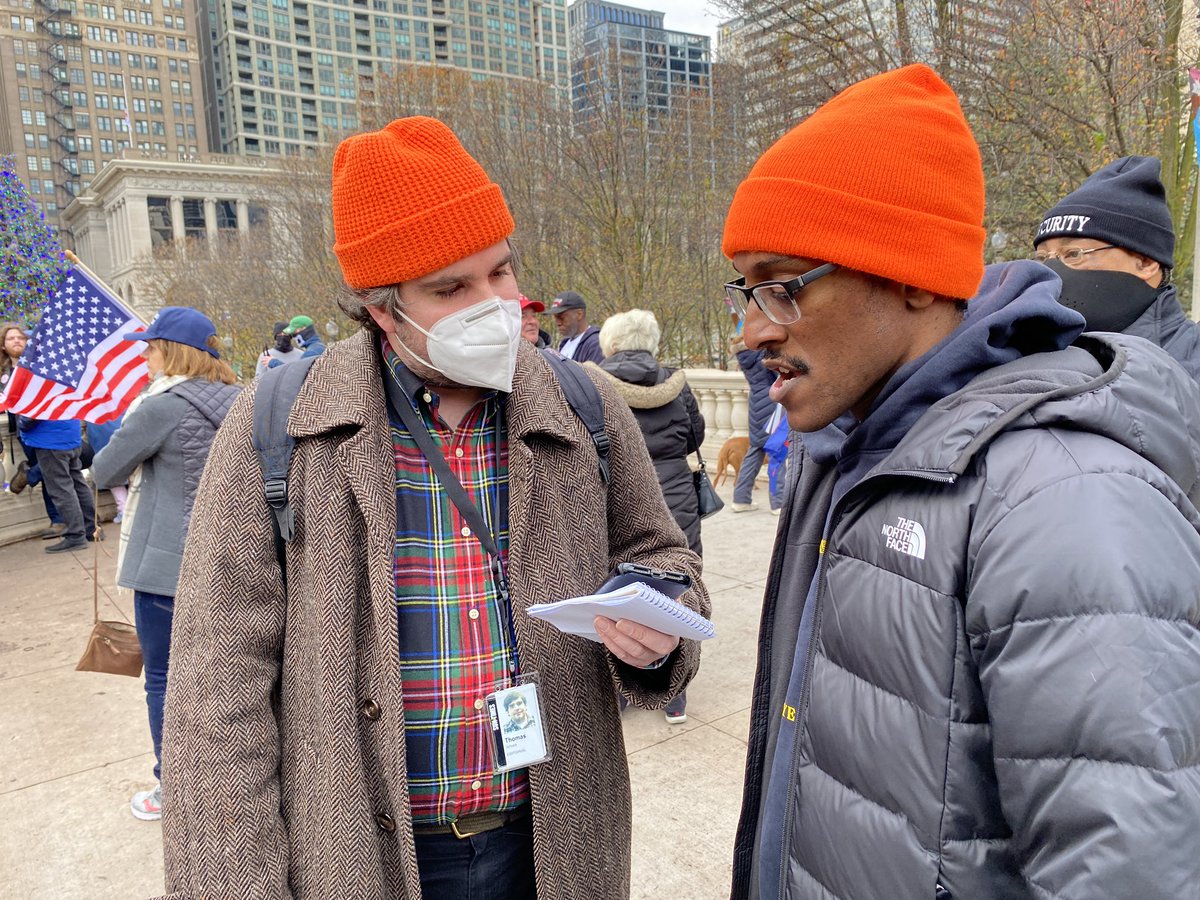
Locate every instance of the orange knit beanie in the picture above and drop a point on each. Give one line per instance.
(408, 200)
(885, 178)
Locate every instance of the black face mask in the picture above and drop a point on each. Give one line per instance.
(283, 342)
(1109, 301)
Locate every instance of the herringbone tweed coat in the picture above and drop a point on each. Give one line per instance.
(281, 779)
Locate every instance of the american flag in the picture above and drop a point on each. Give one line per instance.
(77, 365)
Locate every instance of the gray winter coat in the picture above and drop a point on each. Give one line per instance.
(1004, 674)
(169, 435)
(671, 424)
(1165, 323)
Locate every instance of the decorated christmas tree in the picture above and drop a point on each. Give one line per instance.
(31, 260)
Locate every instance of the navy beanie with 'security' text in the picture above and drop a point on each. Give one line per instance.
(1123, 204)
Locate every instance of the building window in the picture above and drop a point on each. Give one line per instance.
(159, 211)
(193, 218)
(226, 215)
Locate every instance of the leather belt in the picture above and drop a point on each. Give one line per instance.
(465, 826)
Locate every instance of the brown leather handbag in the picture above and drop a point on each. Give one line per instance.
(112, 647)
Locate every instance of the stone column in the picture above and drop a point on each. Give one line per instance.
(137, 226)
(114, 249)
(210, 217)
(177, 231)
(243, 216)
(122, 232)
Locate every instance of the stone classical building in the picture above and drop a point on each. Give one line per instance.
(141, 201)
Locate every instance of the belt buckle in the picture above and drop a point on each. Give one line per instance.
(461, 834)
(482, 822)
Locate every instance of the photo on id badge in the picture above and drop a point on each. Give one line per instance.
(518, 735)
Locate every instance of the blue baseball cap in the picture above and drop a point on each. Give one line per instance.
(180, 324)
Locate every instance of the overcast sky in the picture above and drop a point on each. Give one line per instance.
(693, 16)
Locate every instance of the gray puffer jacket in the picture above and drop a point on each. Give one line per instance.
(1166, 324)
(1003, 693)
(169, 434)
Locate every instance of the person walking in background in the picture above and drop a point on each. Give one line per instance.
(282, 351)
(670, 420)
(760, 380)
(304, 335)
(1112, 243)
(160, 449)
(14, 341)
(981, 643)
(58, 447)
(579, 341)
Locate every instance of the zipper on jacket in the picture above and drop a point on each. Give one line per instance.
(810, 658)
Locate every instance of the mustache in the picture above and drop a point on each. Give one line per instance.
(792, 362)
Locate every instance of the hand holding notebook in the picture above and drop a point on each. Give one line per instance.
(632, 600)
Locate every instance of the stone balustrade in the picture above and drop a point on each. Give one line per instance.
(724, 399)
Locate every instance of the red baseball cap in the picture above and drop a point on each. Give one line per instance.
(536, 305)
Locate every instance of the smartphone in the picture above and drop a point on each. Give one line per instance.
(628, 568)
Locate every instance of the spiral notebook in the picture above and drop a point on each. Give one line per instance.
(635, 601)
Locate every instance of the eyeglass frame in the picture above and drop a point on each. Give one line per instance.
(792, 286)
(1080, 252)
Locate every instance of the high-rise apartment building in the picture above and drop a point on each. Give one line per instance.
(622, 55)
(81, 81)
(289, 74)
(795, 55)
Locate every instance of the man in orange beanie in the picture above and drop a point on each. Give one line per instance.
(980, 642)
(337, 732)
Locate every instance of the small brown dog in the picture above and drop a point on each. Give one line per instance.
(733, 451)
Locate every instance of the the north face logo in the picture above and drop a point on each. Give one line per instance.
(906, 536)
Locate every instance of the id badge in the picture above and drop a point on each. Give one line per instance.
(519, 736)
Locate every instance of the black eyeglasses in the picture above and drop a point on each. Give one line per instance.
(777, 299)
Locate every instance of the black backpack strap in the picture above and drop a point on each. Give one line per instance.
(277, 391)
(585, 400)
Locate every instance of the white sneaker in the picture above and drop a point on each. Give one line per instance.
(776, 511)
(743, 507)
(147, 805)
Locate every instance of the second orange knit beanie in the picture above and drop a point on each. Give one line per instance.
(409, 200)
(885, 178)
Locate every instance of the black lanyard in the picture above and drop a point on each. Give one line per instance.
(399, 401)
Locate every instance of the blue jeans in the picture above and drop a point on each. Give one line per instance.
(153, 613)
(492, 865)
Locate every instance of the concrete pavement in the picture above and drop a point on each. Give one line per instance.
(75, 746)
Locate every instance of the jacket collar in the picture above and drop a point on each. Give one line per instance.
(1162, 318)
(345, 389)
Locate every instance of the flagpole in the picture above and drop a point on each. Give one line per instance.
(78, 263)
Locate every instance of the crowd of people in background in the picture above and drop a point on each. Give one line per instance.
(980, 641)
